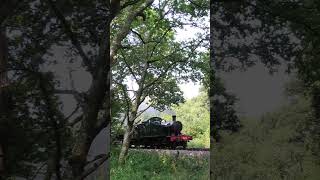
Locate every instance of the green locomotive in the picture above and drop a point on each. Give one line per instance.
(158, 133)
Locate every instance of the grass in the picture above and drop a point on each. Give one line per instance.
(152, 166)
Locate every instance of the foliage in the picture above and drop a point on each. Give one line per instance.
(223, 105)
(162, 61)
(157, 166)
(37, 33)
(34, 121)
(153, 61)
(194, 115)
(272, 147)
(273, 32)
(245, 32)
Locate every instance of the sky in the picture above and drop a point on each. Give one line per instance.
(190, 89)
(257, 90)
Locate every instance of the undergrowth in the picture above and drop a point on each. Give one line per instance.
(153, 166)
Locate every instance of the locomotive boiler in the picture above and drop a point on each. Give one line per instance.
(158, 133)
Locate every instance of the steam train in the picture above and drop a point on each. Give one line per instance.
(158, 133)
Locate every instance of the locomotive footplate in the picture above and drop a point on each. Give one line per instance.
(180, 138)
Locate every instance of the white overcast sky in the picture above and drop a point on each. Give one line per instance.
(257, 90)
(190, 89)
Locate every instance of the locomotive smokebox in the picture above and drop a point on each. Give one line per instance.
(174, 118)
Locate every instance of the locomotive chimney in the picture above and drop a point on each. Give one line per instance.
(174, 118)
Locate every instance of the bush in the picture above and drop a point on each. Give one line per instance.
(273, 147)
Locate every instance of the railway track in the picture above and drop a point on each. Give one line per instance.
(198, 149)
(187, 149)
(186, 152)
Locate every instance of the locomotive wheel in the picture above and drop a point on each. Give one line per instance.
(184, 145)
(173, 146)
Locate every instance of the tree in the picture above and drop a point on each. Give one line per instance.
(82, 28)
(155, 71)
(284, 33)
(7, 9)
(162, 63)
(223, 105)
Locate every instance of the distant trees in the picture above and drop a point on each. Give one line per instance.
(194, 115)
(271, 147)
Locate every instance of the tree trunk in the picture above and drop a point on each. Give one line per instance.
(132, 117)
(99, 94)
(50, 169)
(1, 161)
(79, 155)
(3, 95)
(90, 125)
(128, 132)
(213, 122)
(125, 144)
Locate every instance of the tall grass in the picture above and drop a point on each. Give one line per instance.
(153, 166)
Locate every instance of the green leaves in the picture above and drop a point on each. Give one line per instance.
(194, 115)
(164, 95)
(152, 59)
(271, 147)
(195, 8)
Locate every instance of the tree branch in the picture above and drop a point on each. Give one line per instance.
(73, 112)
(293, 19)
(125, 28)
(139, 36)
(130, 69)
(128, 3)
(75, 121)
(94, 167)
(161, 75)
(38, 170)
(158, 42)
(74, 40)
(75, 93)
(198, 5)
(141, 112)
(97, 158)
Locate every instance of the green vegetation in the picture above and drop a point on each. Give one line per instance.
(283, 144)
(273, 147)
(140, 166)
(194, 115)
(153, 60)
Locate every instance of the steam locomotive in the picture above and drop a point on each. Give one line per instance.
(158, 133)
